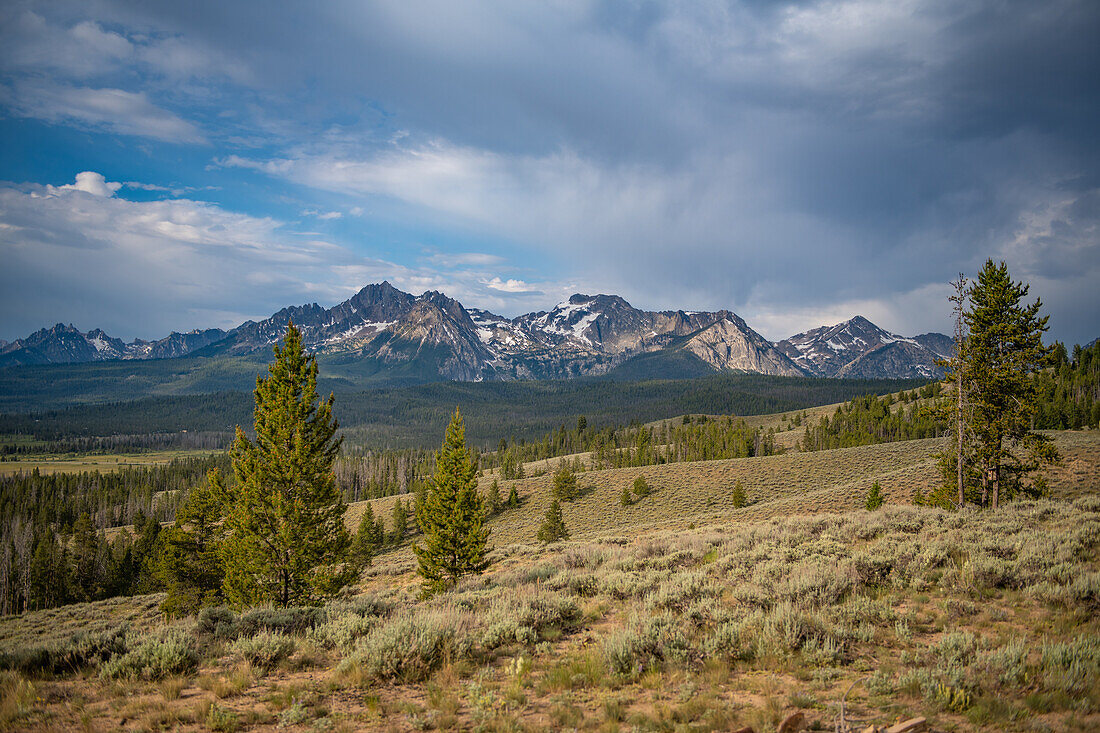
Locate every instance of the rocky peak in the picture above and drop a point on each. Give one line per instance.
(376, 303)
(844, 349)
(729, 344)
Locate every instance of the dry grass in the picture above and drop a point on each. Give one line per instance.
(699, 494)
(980, 621)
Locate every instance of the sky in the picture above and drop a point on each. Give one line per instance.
(169, 166)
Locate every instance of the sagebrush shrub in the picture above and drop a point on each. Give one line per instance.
(218, 622)
(725, 642)
(519, 618)
(1072, 666)
(154, 657)
(264, 650)
(1007, 664)
(409, 648)
(647, 642)
(343, 631)
(290, 620)
(82, 650)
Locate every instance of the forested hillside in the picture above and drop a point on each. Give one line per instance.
(1070, 390)
(695, 438)
(410, 417)
(870, 419)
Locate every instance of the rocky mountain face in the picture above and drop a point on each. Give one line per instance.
(858, 348)
(592, 334)
(66, 345)
(432, 336)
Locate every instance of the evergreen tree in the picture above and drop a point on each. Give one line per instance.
(493, 500)
(513, 498)
(288, 544)
(641, 487)
(85, 549)
(451, 515)
(565, 484)
(626, 498)
(123, 570)
(738, 495)
(1003, 349)
(366, 540)
(145, 550)
(50, 573)
(400, 519)
(874, 497)
(553, 525)
(190, 564)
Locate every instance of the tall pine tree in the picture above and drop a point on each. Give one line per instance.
(1003, 348)
(450, 515)
(288, 543)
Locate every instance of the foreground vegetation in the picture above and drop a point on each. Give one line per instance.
(964, 617)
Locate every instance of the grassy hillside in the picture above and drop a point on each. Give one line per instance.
(676, 613)
(692, 495)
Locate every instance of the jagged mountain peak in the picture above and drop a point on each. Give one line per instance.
(854, 348)
(66, 344)
(434, 334)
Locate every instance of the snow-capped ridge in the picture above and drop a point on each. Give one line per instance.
(432, 333)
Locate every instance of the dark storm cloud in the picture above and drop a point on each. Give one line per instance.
(793, 161)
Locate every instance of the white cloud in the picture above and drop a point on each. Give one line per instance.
(90, 182)
(510, 286)
(323, 215)
(117, 110)
(81, 51)
(79, 253)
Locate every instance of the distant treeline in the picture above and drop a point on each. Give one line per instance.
(870, 419)
(42, 566)
(371, 474)
(53, 544)
(695, 438)
(110, 498)
(114, 498)
(118, 443)
(410, 417)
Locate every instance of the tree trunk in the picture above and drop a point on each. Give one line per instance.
(996, 486)
(959, 468)
(985, 485)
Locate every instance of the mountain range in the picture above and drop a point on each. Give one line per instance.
(436, 338)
